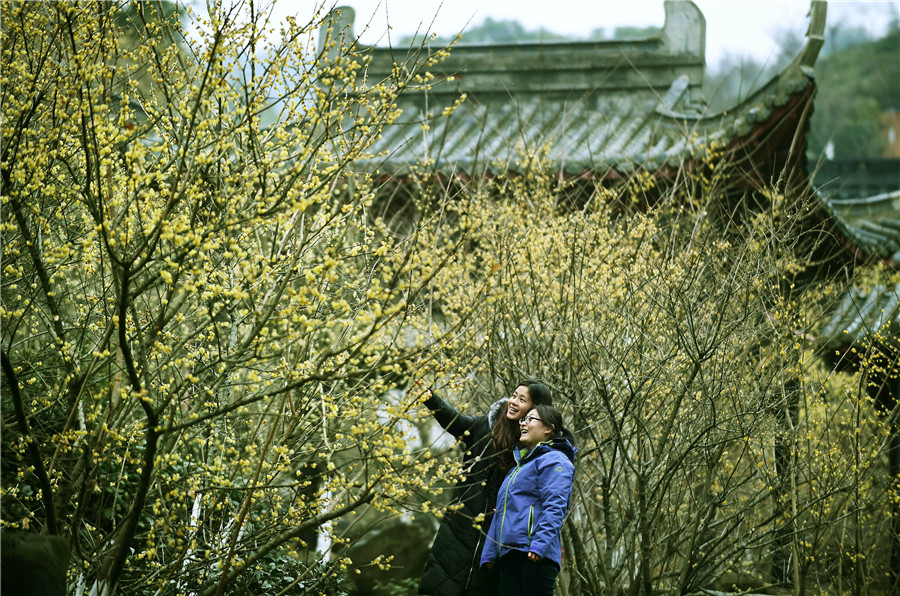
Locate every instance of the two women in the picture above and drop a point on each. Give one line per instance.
(524, 541)
(452, 568)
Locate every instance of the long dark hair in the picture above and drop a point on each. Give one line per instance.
(505, 432)
(550, 416)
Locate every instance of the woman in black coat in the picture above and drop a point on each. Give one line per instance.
(452, 568)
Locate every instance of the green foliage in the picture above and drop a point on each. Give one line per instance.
(856, 85)
(498, 31)
(635, 32)
(282, 573)
(492, 31)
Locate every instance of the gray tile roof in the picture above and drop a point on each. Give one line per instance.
(609, 107)
(863, 199)
(872, 224)
(862, 314)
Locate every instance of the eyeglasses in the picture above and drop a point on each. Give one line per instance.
(528, 419)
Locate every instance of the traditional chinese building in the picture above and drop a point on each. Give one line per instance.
(603, 109)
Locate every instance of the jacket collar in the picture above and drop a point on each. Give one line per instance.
(555, 444)
(496, 410)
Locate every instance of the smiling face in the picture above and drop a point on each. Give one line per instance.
(519, 403)
(533, 430)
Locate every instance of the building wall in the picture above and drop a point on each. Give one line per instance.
(890, 126)
(857, 178)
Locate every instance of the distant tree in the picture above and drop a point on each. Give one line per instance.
(858, 78)
(635, 32)
(493, 31)
(732, 79)
(856, 85)
(511, 31)
(839, 37)
(789, 42)
(597, 34)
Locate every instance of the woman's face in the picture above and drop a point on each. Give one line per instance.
(533, 430)
(519, 403)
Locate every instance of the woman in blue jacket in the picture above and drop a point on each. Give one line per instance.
(525, 535)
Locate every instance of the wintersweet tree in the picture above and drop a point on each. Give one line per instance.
(202, 322)
(719, 448)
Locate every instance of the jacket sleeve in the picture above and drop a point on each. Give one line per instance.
(554, 478)
(448, 417)
(491, 550)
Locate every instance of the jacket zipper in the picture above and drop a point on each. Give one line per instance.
(505, 497)
(530, 522)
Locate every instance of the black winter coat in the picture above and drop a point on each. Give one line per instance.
(452, 568)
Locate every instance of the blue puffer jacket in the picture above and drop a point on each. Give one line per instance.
(533, 502)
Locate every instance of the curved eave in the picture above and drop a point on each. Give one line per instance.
(754, 123)
(759, 120)
(770, 125)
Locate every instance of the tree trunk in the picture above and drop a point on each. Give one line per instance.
(782, 563)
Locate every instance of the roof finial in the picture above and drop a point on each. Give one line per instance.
(337, 30)
(684, 31)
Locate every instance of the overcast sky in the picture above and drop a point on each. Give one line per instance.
(734, 26)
